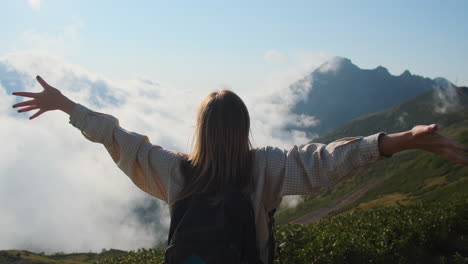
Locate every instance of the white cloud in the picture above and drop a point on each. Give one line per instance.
(35, 4)
(401, 120)
(59, 43)
(446, 97)
(75, 196)
(71, 31)
(272, 56)
(292, 201)
(273, 122)
(331, 65)
(272, 117)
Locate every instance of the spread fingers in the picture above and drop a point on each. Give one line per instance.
(38, 113)
(456, 157)
(29, 108)
(26, 94)
(43, 83)
(30, 102)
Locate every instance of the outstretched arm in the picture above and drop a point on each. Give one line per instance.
(302, 171)
(424, 138)
(149, 166)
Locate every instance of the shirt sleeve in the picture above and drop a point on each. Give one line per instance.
(302, 171)
(149, 166)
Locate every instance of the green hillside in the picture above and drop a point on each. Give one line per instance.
(408, 177)
(27, 257)
(430, 232)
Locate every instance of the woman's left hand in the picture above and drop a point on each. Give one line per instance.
(425, 138)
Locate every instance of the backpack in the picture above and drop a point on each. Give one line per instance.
(212, 229)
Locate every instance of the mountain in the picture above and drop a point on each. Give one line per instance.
(339, 91)
(408, 177)
(427, 108)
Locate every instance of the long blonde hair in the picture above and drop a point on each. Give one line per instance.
(221, 158)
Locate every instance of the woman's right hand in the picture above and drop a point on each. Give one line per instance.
(47, 100)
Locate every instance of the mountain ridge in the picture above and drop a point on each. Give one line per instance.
(341, 91)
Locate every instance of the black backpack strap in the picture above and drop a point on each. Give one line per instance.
(177, 214)
(272, 236)
(249, 240)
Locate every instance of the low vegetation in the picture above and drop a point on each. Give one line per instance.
(427, 232)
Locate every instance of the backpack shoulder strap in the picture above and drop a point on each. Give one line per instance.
(272, 236)
(178, 213)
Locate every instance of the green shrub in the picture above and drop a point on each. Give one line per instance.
(431, 232)
(141, 256)
(426, 233)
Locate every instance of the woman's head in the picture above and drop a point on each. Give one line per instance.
(221, 157)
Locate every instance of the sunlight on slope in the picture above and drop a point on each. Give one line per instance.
(428, 183)
(388, 200)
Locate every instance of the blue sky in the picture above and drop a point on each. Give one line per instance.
(211, 43)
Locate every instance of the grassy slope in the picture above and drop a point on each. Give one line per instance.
(409, 176)
(27, 257)
(430, 232)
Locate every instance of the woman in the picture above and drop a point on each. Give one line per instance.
(222, 156)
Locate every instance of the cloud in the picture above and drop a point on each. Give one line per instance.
(292, 201)
(272, 56)
(273, 123)
(35, 4)
(332, 65)
(446, 97)
(59, 44)
(401, 120)
(75, 196)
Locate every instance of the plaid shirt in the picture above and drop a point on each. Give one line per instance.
(278, 172)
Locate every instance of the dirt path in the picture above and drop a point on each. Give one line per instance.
(338, 204)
